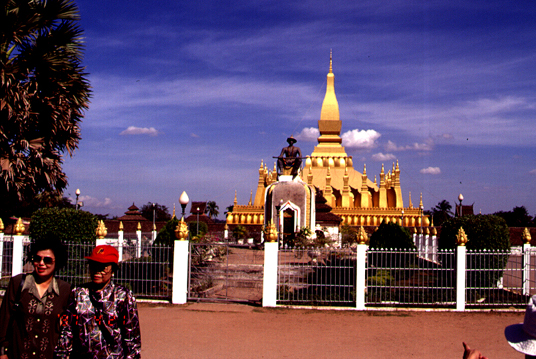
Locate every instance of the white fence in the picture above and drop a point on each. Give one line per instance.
(359, 278)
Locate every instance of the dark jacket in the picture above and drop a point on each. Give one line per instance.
(29, 327)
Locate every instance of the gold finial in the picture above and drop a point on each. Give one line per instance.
(397, 168)
(1, 225)
(19, 227)
(101, 230)
(270, 233)
(364, 169)
(362, 236)
(226, 227)
(154, 227)
(410, 204)
(382, 171)
(461, 237)
(139, 226)
(181, 231)
(526, 236)
(235, 202)
(173, 216)
(120, 225)
(250, 198)
(420, 202)
(330, 61)
(375, 180)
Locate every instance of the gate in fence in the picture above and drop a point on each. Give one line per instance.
(223, 272)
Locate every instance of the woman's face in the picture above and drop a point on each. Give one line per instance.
(44, 263)
(101, 273)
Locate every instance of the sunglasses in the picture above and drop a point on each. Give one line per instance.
(47, 260)
(99, 267)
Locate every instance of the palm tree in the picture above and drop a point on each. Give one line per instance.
(43, 93)
(442, 212)
(212, 209)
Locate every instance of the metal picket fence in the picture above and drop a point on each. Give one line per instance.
(403, 278)
(317, 276)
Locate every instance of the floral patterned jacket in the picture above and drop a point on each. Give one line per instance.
(100, 324)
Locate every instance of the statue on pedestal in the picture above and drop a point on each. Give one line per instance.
(289, 159)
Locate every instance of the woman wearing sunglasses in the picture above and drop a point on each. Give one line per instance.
(33, 303)
(102, 318)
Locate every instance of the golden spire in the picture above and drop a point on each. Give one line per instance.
(329, 125)
(173, 216)
(235, 202)
(121, 225)
(250, 198)
(410, 204)
(420, 202)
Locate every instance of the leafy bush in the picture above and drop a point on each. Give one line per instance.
(67, 224)
(483, 232)
(391, 235)
(349, 235)
(192, 227)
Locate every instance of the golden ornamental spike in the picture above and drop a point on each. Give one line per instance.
(139, 226)
(461, 237)
(19, 227)
(1, 225)
(362, 236)
(270, 233)
(181, 231)
(101, 230)
(526, 236)
(121, 225)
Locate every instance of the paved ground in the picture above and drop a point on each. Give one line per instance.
(208, 330)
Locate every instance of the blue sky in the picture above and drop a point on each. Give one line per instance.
(191, 96)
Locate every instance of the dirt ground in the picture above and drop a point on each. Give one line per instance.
(214, 330)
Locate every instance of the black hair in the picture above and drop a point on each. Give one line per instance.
(55, 245)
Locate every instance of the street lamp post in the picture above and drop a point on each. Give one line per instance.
(184, 200)
(460, 198)
(197, 222)
(77, 195)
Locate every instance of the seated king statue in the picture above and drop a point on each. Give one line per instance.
(289, 159)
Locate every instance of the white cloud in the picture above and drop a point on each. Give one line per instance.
(89, 201)
(308, 134)
(428, 145)
(381, 157)
(133, 130)
(364, 139)
(431, 171)
(533, 172)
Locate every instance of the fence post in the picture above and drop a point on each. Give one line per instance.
(526, 262)
(180, 271)
(120, 241)
(138, 242)
(181, 248)
(360, 282)
(361, 259)
(269, 282)
(16, 266)
(461, 251)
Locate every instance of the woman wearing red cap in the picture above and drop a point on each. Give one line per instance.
(102, 318)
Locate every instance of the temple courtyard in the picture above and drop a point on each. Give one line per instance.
(218, 330)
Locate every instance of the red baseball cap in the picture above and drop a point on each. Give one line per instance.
(104, 254)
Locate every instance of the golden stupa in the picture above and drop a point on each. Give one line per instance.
(351, 194)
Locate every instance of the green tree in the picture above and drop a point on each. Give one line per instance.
(67, 224)
(192, 227)
(240, 232)
(166, 235)
(43, 93)
(212, 209)
(517, 217)
(161, 212)
(391, 235)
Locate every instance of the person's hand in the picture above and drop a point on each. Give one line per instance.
(471, 353)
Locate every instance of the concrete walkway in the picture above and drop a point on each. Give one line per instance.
(209, 330)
